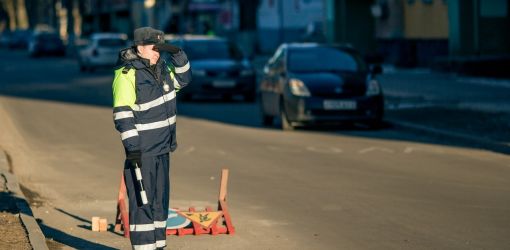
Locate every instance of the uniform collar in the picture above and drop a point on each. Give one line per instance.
(129, 55)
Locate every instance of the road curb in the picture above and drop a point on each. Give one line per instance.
(35, 235)
(473, 140)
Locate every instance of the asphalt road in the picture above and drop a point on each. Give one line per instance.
(349, 188)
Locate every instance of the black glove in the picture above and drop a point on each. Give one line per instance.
(167, 48)
(135, 157)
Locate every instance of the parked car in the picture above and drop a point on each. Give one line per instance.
(19, 39)
(102, 51)
(307, 84)
(5, 38)
(218, 67)
(46, 43)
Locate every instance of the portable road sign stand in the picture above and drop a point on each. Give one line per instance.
(201, 223)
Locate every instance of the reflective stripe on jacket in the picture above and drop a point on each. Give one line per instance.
(144, 111)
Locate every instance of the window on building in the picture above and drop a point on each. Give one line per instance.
(493, 8)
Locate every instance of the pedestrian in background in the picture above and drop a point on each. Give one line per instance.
(144, 110)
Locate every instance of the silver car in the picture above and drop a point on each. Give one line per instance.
(102, 51)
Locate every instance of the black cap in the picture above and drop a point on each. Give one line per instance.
(148, 35)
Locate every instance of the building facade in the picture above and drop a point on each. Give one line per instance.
(423, 32)
(479, 27)
(289, 21)
(411, 33)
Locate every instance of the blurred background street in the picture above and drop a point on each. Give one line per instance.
(402, 143)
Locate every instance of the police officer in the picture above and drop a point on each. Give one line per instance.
(144, 110)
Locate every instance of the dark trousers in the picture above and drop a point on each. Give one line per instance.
(147, 223)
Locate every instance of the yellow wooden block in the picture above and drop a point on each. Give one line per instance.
(103, 225)
(95, 224)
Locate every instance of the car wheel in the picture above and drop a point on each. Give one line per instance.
(284, 122)
(83, 68)
(267, 120)
(226, 97)
(376, 123)
(249, 97)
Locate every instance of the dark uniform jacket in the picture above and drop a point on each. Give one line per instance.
(144, 101)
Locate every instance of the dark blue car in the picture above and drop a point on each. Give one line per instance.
(308, 84)
(46, 43)
(218, 67)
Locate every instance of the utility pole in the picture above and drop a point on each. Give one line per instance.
(329, 9)
(476, 29)
(69, 6)
(9, 7)
(21, 14)
(281, 20)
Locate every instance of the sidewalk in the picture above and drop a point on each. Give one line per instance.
(18, 227)
(473, 128)
(456, 108)
(12, 232)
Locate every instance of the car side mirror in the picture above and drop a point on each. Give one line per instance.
(376, 70)
(266, 69)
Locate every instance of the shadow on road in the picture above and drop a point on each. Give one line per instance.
(69, 240)
(76, 217)
(88, 224)
(56, 79)
(240, 113)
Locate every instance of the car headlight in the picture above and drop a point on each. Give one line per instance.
(198, 72)
(247, 72)
(298, 87)
(373, 88)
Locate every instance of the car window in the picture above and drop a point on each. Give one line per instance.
(48, 37)
(21, 34)
(211, 49)
(324, 59)
(278, 54)
(111, 42)
(278, 61)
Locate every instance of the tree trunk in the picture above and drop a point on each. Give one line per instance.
(9, 7)
(21, 13)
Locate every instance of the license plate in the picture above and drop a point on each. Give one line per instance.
(339, 105)
(224, 84)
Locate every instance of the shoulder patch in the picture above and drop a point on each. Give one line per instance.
(126, 69)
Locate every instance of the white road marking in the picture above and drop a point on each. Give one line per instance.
(283, 149)
(370, 149)
(410, 149)
(189, 150)
(324, 150)
(221, 152)
(336, 150)
(485, 81)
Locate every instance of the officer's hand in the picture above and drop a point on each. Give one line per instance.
(135, 157)
(167, 47)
